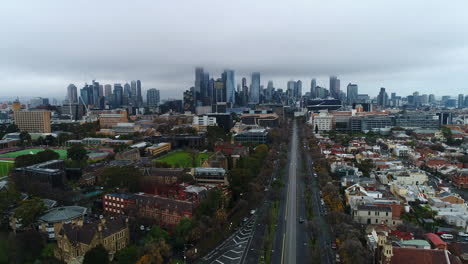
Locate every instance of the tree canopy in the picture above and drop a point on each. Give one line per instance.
(77, 153)
(96, 255)
(123, 177)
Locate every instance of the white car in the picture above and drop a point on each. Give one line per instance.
(446, 236)
(462, 234)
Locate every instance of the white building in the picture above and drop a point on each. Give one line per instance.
(324, 121)
(201, 122)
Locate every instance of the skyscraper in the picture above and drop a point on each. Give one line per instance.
(352, 93)
(133, 89)
(127, 90)
(152, 97)
(269, 90)
(334, 87)
(298, 89)
(382, 98)
(230, 87)
(461, 101)
(290, 88)
(118, 95)
(313, 91)
(95, 94)
(219, 91)
(255, 88)
(107, 90)
(138, 94)
(72, 95)
(199, 76)
(432, 99)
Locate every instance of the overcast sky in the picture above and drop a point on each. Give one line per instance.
(399, 44)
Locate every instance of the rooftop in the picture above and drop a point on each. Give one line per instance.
(63, 213)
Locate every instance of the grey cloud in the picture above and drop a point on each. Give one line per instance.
(397, 44)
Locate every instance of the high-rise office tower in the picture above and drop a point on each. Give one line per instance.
(290, 88)
(86, 94)
(219, 91)
(95, 94)
(133, 89)
(139, 95)
(424, 99)
(72, 94)
(152, 97)
(313, 85)
(298, 89)
(352, 93)
(230, 87)
(432, 99)
(461, 101)
(127, 90)
(101, 90)
(382, 98)
(118, 95)
(199, 76)
(244, 82)
(107, 90)
(211, 91)
(334, 87)
(269, 90)
(255, 88)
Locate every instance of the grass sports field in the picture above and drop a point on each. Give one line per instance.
(181, 159)
(61, 152)
(5, 166)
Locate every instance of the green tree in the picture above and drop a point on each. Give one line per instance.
(50, 140)
(28, 210)
(128, 255)
(77, 153)
(96, 255)
(8, 196)
(123, 177)
(156, 234)
(46, 155)
(24, 160)
(182, 232)
(25, 138)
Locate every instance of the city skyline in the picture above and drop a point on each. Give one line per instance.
(410, 56)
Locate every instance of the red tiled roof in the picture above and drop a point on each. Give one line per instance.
(435, 240)
(422, 256)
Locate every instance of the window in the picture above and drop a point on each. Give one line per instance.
(368, 213)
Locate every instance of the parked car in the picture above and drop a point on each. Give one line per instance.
(301, 220)
(252, 212)
(333, 245)
(462, 234)
(446, 236)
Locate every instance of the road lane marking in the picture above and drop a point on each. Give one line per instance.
(282, 251)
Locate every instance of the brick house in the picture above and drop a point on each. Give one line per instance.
(460, 179)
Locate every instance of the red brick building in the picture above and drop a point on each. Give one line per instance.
(460, 179)
(117, 203)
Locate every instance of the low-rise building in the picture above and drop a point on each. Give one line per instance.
(74, 240)
(200, 123)
(52, 221)
(117, 203)
(322, 121)
(158, 149)
(210, 176)
(378, 214)
(256, 136)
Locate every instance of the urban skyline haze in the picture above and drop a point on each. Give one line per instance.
(160, 44)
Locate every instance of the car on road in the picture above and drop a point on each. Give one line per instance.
(301, 220)
(446, 236)
(252, 212)
(462, 234)
(333, 245)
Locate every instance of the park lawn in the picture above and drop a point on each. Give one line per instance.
(5, 167)
(181, 159)
(14, 154)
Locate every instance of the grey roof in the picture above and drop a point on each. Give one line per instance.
(63, 213)
(365, 207)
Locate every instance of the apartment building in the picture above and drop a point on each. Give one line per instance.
(33, 121)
